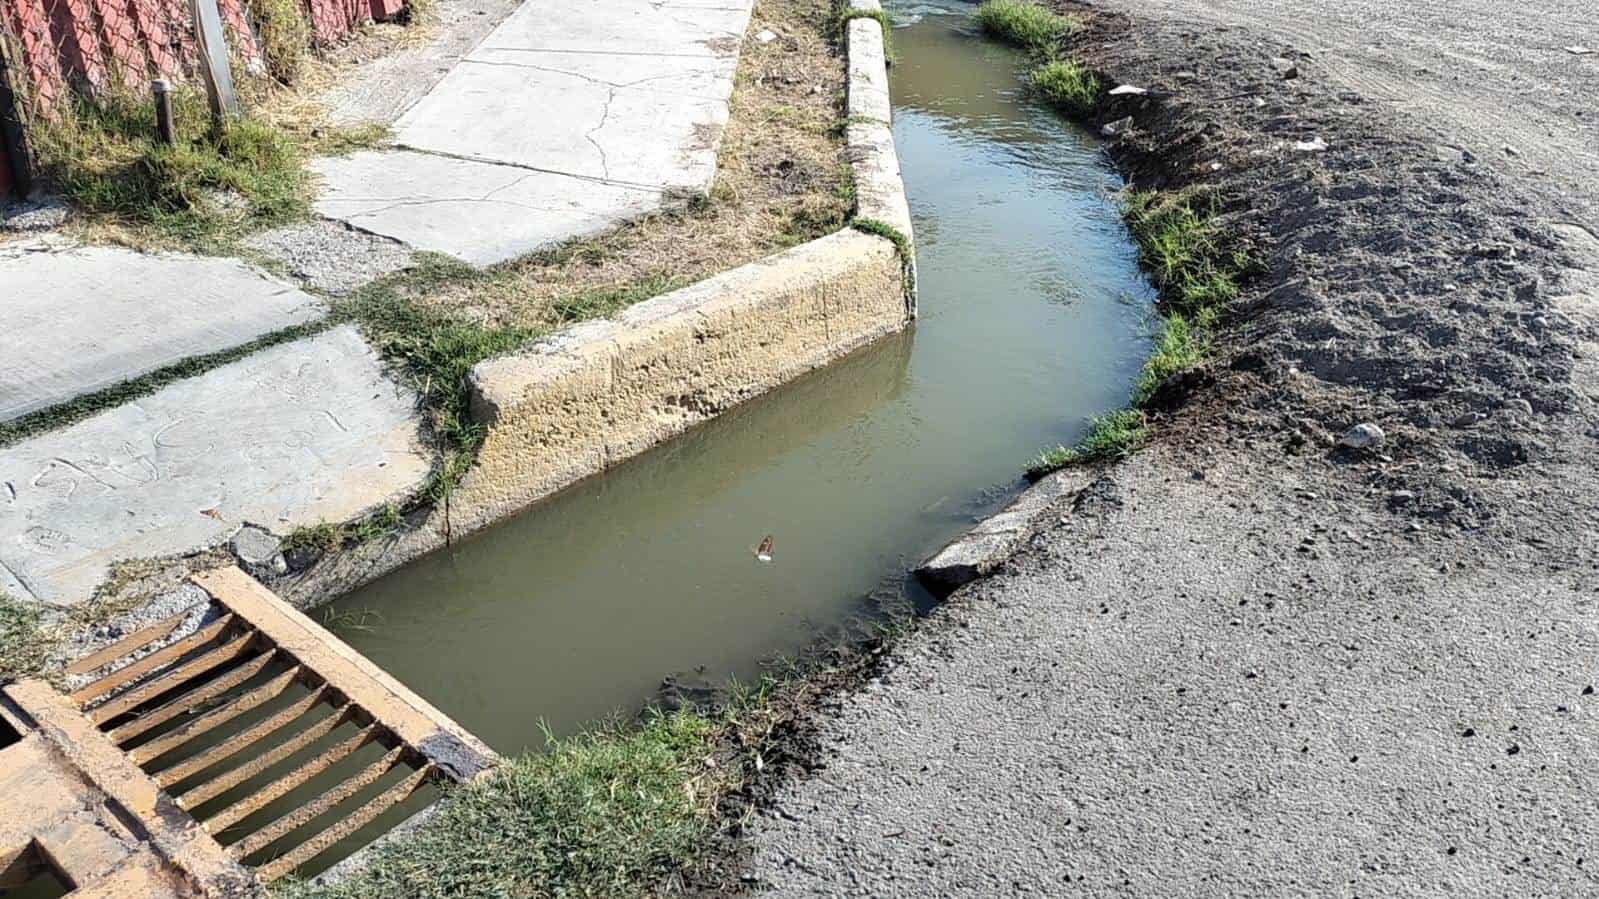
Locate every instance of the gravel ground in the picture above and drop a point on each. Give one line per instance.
(1248, 662)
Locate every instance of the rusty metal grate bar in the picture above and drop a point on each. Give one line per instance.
(225, 690)
(288, 783)
(211, 789)
(215, 718)
(154, 660)
(358, 819)
(191, 700)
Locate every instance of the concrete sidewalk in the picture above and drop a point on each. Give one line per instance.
(565, 121)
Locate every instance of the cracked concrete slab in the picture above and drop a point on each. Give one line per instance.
(621, 96)
(301, 433)
(649, 129)
(478, 212)
(79, 319)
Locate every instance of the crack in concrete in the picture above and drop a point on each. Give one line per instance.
(605, 116)
(613, 182)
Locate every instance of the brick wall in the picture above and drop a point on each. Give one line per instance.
(58, 46)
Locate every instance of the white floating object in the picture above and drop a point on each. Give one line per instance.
(1126, 89)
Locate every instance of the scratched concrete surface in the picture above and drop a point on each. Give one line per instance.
(78, 319)
(301, 433)
(555, 127)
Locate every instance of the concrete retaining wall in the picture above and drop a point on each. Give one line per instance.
(604, 391)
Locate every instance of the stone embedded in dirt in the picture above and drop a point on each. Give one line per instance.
(259, 550)
(1365, 435)
(1285, 67)
(1581, 51)
(1468, 157)
(1120, 126)
(45, 215)
(1511, 151)
(766, 35)
(1468, 419)
(1124, 90)
(1314, 145)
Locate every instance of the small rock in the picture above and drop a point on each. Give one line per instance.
(1468, 157)
(1511, 151)
(1315, 145)
(1519, 405)
(259, 550)
(1285, 68)
(1126, 90)
(1365, 435)
(1467, 420)
(1399, 497)
(1581, 51)
(44, 215)
(766, 35)
(1120, 126)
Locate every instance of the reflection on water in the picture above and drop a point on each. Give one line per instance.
(1032, 311)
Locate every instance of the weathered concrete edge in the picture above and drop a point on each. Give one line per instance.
(880, 197)
(981, 550)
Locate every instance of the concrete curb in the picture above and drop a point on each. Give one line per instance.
(596, 394)
(977, 553)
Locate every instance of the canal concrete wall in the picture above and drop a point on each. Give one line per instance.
(599, 393)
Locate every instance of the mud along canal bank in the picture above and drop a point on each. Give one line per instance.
(1247, 661)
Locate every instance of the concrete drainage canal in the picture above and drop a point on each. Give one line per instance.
(785, 522)
(1033, 317)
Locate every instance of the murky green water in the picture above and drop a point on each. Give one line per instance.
(1033, 315)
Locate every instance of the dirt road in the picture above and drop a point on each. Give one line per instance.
(1248, 662)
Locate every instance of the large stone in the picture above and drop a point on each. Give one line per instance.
(301, 433)
(79, 319)
(980, 551)
(478, 212)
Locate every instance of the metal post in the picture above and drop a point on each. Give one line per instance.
(163, 111)
(215, 70)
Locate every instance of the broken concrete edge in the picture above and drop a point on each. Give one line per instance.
(410, 717)
(357, 861)
(133, 797)
(991, 543)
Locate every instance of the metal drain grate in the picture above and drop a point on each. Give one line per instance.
(280, 740)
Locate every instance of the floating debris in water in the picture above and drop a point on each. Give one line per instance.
(764, 551)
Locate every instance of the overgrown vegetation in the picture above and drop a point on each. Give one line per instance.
(328, 536)
(1197, 272)
(1025, 24)
(23, 644)
(107, 158)
(1068, 85)
(284, 33)
(1110, 437)
(1064, 82)
(603, 814)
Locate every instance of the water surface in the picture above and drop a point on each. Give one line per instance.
(1032, 319)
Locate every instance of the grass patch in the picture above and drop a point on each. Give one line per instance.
(284, 32)
(24, 646)
(1025, 24)
(1068, 85)
(1181, 246)
(1181, 347)
(108, 160)
(328, 536)
(608, 813)
(1110, 437)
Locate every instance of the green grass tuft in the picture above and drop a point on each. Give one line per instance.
(1180, 347)
(609, 813)
(107, 159)
(1110, 437)
(23, 643)
(1182, 247)
(1025, 24)
(1068, 85)
(283, 28)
